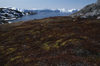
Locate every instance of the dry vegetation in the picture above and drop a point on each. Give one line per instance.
(58, 41)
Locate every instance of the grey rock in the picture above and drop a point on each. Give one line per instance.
(89, 11)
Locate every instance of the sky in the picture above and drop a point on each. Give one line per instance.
(46, 4)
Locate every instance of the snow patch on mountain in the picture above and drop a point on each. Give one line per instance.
(12, 13)
(73, 10)
(9, 14)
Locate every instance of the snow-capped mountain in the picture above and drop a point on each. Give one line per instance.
(45, 13)
(37, 11)
(9, 14)
(73, 10)
(52, 12)
(12, 13)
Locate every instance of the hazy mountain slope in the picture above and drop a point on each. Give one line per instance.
(90, 11)
(57, 41)
(60, 11)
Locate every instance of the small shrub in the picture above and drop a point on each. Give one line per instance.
(14, 58)
(46, 46)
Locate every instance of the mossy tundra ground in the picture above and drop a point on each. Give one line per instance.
(57, 41)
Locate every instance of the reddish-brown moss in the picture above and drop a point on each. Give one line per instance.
(51, 42)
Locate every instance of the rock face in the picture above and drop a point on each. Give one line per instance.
(9, 14)
(98, 2)
(90, 11)
(6, 13)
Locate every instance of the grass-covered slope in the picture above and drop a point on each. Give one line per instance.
(58, 41)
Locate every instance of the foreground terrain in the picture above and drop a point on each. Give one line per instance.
(57, 41)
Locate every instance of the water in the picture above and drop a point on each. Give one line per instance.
(39, 16)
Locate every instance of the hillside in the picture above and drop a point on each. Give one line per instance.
(57, 41)
(9, 14)
(89, 11)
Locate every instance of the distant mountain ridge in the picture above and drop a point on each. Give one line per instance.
(44, 13)
(49, 10)
(59, 12)
(12, 13)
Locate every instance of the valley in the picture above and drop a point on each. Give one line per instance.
(50, 37)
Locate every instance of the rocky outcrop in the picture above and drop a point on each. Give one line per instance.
(90, 11)
(98, 2)
(3, 21)
(9, 14)
(6, 13)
